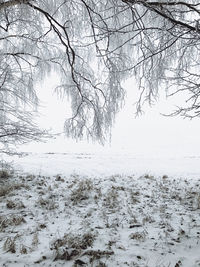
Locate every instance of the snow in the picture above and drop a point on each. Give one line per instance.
(108, 163)
(100, 209)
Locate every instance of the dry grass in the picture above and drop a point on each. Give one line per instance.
(139, 235)
(5, 190)
(10, 220)
(81, 191)
(47, 203)
(6, 171)
(10, 245)
(9, 187)
(74, 241)
(5, 174)
(111, 198)
(14, 204)
(71, 246)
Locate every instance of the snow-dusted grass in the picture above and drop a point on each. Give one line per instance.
(119, 220)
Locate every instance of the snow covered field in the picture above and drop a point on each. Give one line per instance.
(98, 209)
(108, 163)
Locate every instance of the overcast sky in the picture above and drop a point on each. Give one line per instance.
(150, 134)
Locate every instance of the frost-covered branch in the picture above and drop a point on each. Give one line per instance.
(10, 3)
(94, 46)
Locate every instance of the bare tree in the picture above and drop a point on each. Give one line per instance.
(95, 46)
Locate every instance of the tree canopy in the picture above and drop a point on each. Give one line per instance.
(94, 46)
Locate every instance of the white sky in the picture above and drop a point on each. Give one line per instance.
(150, 134)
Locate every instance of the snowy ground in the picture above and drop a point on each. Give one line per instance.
(100, 210)
(108, 163)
